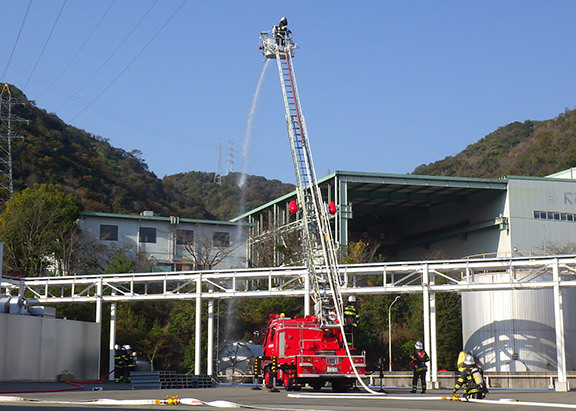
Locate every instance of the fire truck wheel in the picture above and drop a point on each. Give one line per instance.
(267, 378)
(341, 386)
(288, 383)
(317, 385)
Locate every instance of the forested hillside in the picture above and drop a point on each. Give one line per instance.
(110, 179)
(531, 148)
(226, 200)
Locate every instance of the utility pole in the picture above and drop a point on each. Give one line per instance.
(6, 136)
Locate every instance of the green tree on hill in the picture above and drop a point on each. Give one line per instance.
(39, 231)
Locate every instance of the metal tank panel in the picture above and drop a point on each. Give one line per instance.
(513, 330)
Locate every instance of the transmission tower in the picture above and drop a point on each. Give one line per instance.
(218, 174)
(6, 137)
(230, 157)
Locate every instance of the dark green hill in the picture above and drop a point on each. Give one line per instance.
(226, 200)
(532, 148)
(110, 179)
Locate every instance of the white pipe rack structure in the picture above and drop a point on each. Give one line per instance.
(423, 277)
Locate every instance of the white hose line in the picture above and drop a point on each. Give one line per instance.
(529, 404)
(349, 355)
(365, 397)
(415, 398)
(103, 401)
(184, 401)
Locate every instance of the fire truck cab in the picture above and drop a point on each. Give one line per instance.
(299, 351)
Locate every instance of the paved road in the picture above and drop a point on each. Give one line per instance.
(244, 397)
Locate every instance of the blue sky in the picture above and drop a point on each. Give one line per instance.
(385, 86)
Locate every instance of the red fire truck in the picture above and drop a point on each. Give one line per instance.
(299, 351)
(312, 350)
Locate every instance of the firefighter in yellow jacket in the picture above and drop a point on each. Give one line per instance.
(351, 317)
(282, 32)
(473, 378)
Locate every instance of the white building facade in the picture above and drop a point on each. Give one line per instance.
(171, 243)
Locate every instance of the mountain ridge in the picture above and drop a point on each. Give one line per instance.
(110, 179)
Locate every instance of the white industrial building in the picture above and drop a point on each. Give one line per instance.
(409, 216)
(171, 243)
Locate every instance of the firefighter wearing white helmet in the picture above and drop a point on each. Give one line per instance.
(419, 358)
(119, 353)
(351, 317)
(127, 363)
(473, 378)
(281, 32)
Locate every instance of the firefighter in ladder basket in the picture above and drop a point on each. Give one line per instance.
(281, 32)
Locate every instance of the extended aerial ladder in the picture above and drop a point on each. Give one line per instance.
(317, 242)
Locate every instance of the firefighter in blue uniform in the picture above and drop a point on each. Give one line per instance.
(419, 358)
(473, 378)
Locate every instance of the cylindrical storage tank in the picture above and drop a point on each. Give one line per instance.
(235, 360)
(514, 330)
(4, 304)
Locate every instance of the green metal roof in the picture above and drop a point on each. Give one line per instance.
(397, 190)
(157, 218)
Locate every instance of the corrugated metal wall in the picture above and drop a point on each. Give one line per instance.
(41, 348)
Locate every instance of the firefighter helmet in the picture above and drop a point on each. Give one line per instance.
(418, 345)
(352, 299)
(127, 347)
(469, 360)
(283, 21)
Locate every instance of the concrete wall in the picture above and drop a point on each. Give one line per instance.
(40, 348)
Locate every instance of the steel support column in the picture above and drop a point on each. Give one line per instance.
(562, 383)
(111, 362)
(307, 295)
(210, 343)
(198, 329)
(433, 342)
(426, 313)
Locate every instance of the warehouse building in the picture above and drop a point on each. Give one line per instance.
(413, 217)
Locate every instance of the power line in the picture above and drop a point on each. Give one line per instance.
(46, 42)
(131, 61)
(17, 38)
(109, 58)
(80, 49)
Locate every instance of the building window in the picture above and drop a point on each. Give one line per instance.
(221, 239)
(108, 232)
(184, 237)
(147, 235)
(554, 216)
